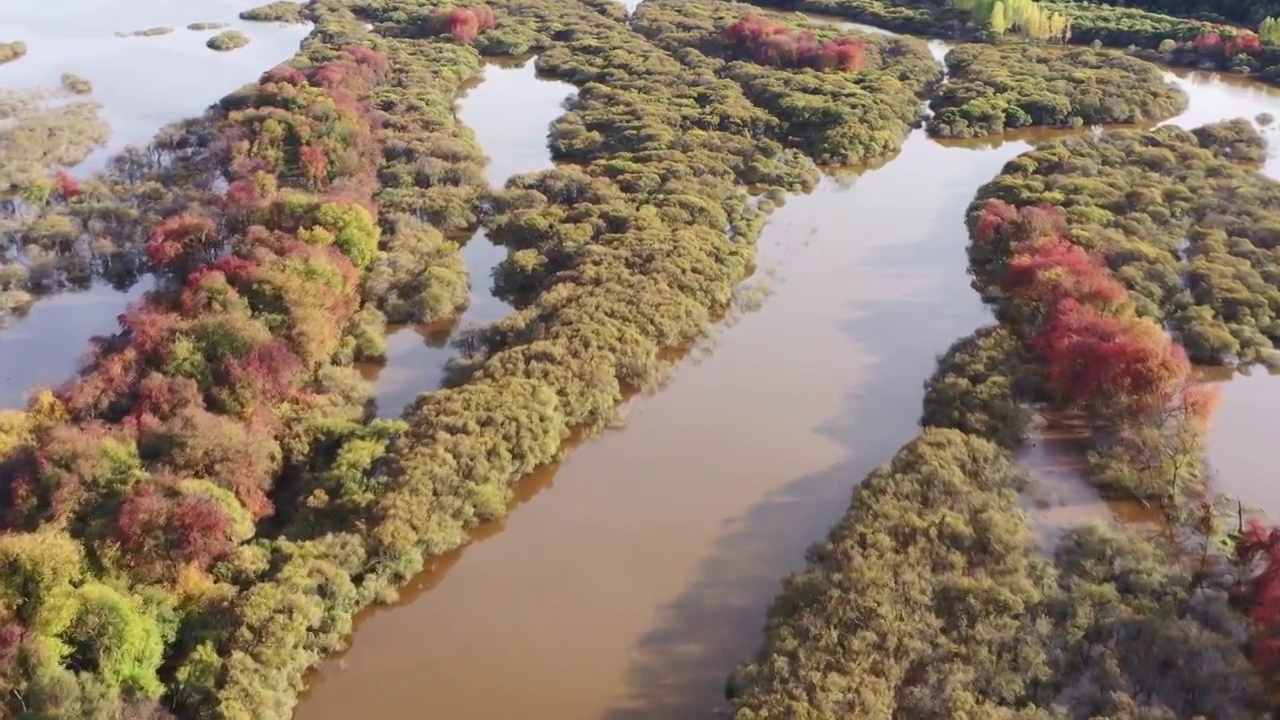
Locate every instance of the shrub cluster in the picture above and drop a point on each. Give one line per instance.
(1097, 356)
(463, 24)
(228, 40)
(930, 599)
(995, 88)
(1183, 219)
(10, 51)
(833, 117)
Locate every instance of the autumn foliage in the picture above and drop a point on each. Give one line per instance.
(1077, 317)
(464, 24)
(771, 43)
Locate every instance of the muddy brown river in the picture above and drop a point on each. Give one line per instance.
(641, 573)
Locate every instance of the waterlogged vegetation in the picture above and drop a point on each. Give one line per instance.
(202, 26)
(212, 475)
(44, 131)
(279, 11)
(990, 89)
(228, 40)
(148, 32)
(75, 84)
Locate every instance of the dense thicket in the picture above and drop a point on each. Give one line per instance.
(278, 11)
(930, 600)
(994, 88)
(1240, 12)
(981, 387)
(1183, 218)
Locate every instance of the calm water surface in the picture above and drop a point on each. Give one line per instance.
(510, 111)
(143, 83)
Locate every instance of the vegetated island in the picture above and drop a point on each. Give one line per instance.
(10, 51)
(75, 84)
(201, 26)
(219, 484)
(995, 88)
(227, 40)
(1184, 218)
(279, 11)
(149, 32)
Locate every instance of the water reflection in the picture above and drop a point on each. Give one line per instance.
(516, 142)
(43, 347)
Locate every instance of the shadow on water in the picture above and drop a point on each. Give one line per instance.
(911, 313)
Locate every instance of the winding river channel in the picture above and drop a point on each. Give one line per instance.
(631, 590)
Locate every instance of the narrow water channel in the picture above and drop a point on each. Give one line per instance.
(632, 591)
(510, 111)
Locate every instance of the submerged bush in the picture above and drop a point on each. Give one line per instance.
(149, 32)
(75, 84)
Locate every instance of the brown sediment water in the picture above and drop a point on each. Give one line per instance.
(632, 589)
(1243, 436)
(510, 111)
(1058, 495)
